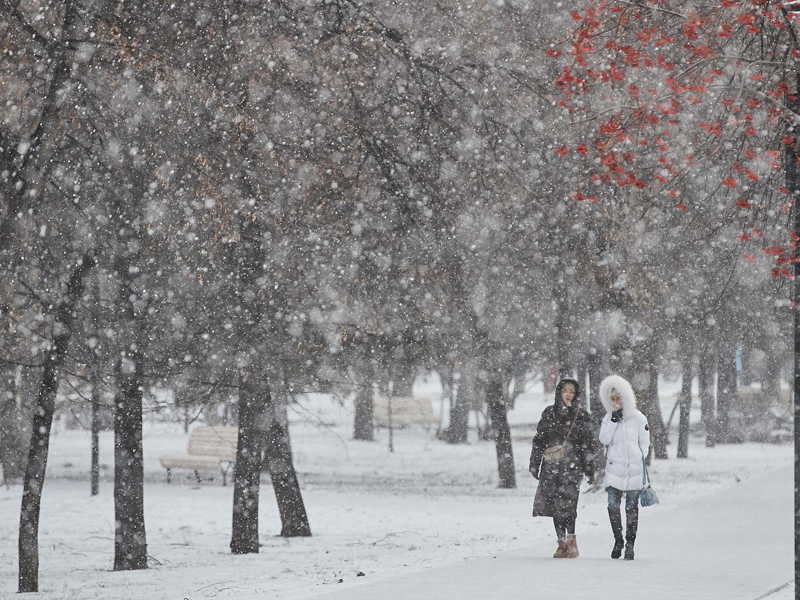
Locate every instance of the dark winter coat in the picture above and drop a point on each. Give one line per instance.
(559, 483)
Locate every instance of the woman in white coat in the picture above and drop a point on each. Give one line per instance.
(625, 432)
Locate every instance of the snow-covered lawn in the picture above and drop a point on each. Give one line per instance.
(372, 512)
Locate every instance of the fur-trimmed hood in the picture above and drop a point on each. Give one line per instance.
(625, 392)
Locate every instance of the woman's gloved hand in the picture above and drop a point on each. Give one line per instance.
(616, 416)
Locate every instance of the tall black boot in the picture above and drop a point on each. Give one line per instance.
(616, 528)
(631, 525)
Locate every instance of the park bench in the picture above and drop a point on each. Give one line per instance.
(406, 410)
(209, 449)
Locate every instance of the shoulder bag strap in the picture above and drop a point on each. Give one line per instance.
(645, 475)
(573, 424)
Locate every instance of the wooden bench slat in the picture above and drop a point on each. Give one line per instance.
(190, 462)
(208, 449)
(406, 410)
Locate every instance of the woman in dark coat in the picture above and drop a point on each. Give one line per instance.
(559, 480)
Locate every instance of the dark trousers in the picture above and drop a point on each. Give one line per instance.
(564, 525)
(631, 513)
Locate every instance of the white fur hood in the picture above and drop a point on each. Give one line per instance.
(625, 391)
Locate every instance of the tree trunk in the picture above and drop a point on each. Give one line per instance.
(705, 375)
(34, 478)
(771, 385)
(793, 183)
(499, 418)
(130, 541)
(643, 377)
(685, 404)
(593, 366)
(446, 372)
(726, 396)
(253, 403)
(363, 428)
(13, 427)
(95, 398)
(581, 370)
(294, 521)
(562, 328)
(40, 432)
(658, 437)
(95, 469)
(456, 432)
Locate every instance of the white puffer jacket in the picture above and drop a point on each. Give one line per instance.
(628, 440)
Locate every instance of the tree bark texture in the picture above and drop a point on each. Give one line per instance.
(294, 520)
(362, 426)
(95, 399)
(685, 405)
(793, 183)
(658, 436)
(499, 417)
(771, 384)
(562, 328)
(130, 541)
(95, 451)
(456, 432)
(40, 432)
(705, 375)
(726, 396)
(581, 374)
(13, 428)
(253, 403)
(593, 367)
(446, 372)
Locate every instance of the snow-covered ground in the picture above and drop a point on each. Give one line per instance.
(734, 545)
(372, 512)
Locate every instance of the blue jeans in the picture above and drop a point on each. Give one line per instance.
(631, 499)
(631, 515)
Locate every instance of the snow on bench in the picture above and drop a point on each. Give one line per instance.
(406, 410)
(209, 449)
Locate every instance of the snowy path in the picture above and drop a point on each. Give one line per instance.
(414, 519)
(734, 545)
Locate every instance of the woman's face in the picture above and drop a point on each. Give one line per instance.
(567, 394)
(616, 401)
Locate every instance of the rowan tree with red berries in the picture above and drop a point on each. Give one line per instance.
(692, 106)
(684, 117)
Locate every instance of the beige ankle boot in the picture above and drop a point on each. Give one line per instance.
(572, 546)
(562, 550)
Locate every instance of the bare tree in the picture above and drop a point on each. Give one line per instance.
(33, 483)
